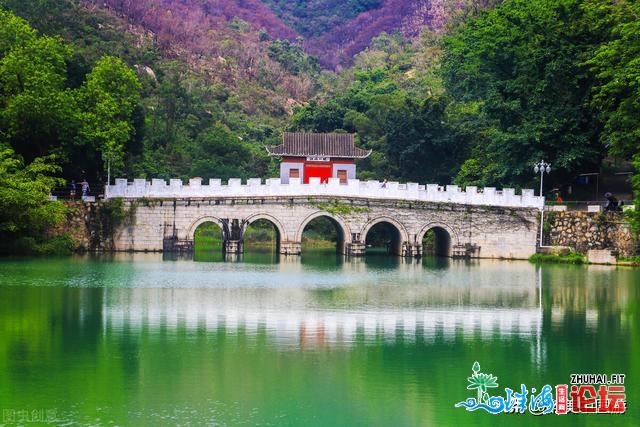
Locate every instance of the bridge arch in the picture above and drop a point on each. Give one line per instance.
(191, 231)
(446, 237)
(273, 220)
(342, 229)
(277, 225)
(401, 238)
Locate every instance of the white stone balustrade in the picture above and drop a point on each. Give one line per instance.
(272, 187)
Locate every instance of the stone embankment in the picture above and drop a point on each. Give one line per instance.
(585, 231)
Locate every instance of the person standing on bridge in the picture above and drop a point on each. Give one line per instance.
(72, 189)
(85, 188)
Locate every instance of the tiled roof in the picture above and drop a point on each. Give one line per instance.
(318, 144)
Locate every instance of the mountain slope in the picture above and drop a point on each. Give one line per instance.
(334, 31)
(220, 79)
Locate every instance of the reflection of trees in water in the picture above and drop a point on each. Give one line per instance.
(46, 319)
(384, 329)
(82, 314)
(581, 288)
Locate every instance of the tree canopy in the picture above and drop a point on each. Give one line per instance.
(25, 212)
(521, 68)
(41, 113)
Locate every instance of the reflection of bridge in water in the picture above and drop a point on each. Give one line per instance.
(334, 327)
(295, 318)
(337, 305)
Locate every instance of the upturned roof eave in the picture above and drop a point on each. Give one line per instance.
(365, 154)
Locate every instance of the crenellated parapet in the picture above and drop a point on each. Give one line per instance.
(273, 187)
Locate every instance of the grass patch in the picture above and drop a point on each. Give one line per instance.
(633, 260)
(317, 242)
(570, 258)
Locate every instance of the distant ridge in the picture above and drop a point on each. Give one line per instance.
(198, 25)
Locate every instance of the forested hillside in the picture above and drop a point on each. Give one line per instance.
(505, 87)
(193, 100)
(333, 31)
(158, 88)
(216, 81)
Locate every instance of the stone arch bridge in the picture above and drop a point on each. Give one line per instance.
(479, 223)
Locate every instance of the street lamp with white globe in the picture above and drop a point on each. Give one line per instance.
(542, 167)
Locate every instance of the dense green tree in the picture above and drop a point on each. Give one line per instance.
(34, 100)
(107, 102)
(427, 149)
(521, 65)
(616, 64)
(299, 13)
(319, 117)
(44, 12)
(14, 31)
(292, 57)
(41, 114)
(222, 154)
(25, 212)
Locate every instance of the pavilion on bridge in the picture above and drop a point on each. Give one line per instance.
(318, 155)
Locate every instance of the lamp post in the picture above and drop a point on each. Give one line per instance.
(107, 156)
(542, 167)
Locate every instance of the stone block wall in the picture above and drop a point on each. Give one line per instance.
(495, 232)
(583, 231)
(146, 224)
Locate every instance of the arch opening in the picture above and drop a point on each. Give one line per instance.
(383, 238)
(437, 243)
(323, 233)
(261, 241)
(208, 242)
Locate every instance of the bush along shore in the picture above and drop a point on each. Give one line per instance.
(578, 258)
(570, 258)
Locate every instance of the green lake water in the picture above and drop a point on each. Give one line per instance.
(320, 340)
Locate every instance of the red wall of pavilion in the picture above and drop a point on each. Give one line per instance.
(322, 170)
